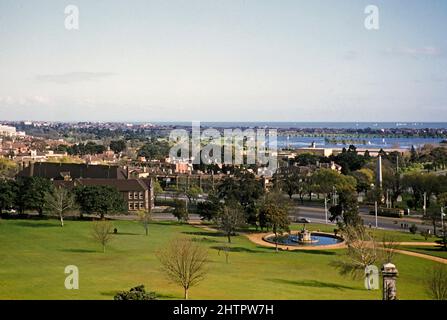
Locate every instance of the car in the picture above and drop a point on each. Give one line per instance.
(303, 220)
(10, 211)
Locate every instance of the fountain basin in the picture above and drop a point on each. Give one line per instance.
(314, 239)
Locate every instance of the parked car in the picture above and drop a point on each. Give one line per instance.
(303, 220)
(10, 211)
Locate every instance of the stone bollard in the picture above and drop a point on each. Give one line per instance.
(389, 273)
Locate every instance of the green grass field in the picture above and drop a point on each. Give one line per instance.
(33, 255)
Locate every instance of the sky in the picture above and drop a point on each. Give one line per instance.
(223, 60)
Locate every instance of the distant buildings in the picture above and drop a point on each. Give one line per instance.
(7, 131)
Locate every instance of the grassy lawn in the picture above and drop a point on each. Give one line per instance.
(33, 255)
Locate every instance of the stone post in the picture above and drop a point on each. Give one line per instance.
(389, 273)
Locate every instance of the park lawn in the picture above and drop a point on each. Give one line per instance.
(34, 253)
(432, 251)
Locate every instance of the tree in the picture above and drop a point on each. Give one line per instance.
(60, 201)
(326, 180)
(209, 209)
(349, 159)
(347, 209)
(154, 150)
(364, 178)
(184, 262)
(437, 282)
(100, 200)
(180, 211)
(102, 232)
(193, 193)
(118, 146)
(31, 193)
(8, 191)
(157, 187)
(276, 218)
(8, 168)
(243, 188)
(145, 217)
(229, 219)
(433, 216)
(362, 251)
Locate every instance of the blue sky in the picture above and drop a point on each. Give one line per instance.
(226, 60)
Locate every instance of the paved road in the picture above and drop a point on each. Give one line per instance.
(317, 215)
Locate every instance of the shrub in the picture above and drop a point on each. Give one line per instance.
(136, 293)
(413, 229)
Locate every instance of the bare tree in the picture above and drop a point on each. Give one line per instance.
(389, 247)
(102, 232)
(60, 201)
(437, 282)
(184, 262)
(362, 251)
(145, 217)
(230, 219)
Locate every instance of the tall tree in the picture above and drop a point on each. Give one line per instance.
(31, 193)
(276, 218)
(245, 189)
(118, 146)
(102, 233)
(100, 200)
(229, 219)
(59, 201)
(8, 191)
(184, 262)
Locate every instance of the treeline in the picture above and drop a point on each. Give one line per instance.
(91, 148)
(36, 194)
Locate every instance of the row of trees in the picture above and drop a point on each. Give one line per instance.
(39, 194)
(92, 148)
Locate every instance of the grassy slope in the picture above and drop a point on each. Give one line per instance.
(33, 255)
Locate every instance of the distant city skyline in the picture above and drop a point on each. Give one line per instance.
(236, 60)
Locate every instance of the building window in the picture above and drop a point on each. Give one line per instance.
(130, 195)
(130, 205)
(141, 195)
(141, 205)
(135, 195)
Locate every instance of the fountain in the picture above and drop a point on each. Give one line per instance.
(305, 237)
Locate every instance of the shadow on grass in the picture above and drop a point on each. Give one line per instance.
(37, 225)
(206, 240)
(204, 233)
(80, 250)
(237, 249)
(317, 252)
(314, 284)
(127, 234)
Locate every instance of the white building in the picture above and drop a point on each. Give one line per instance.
(7, 131)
